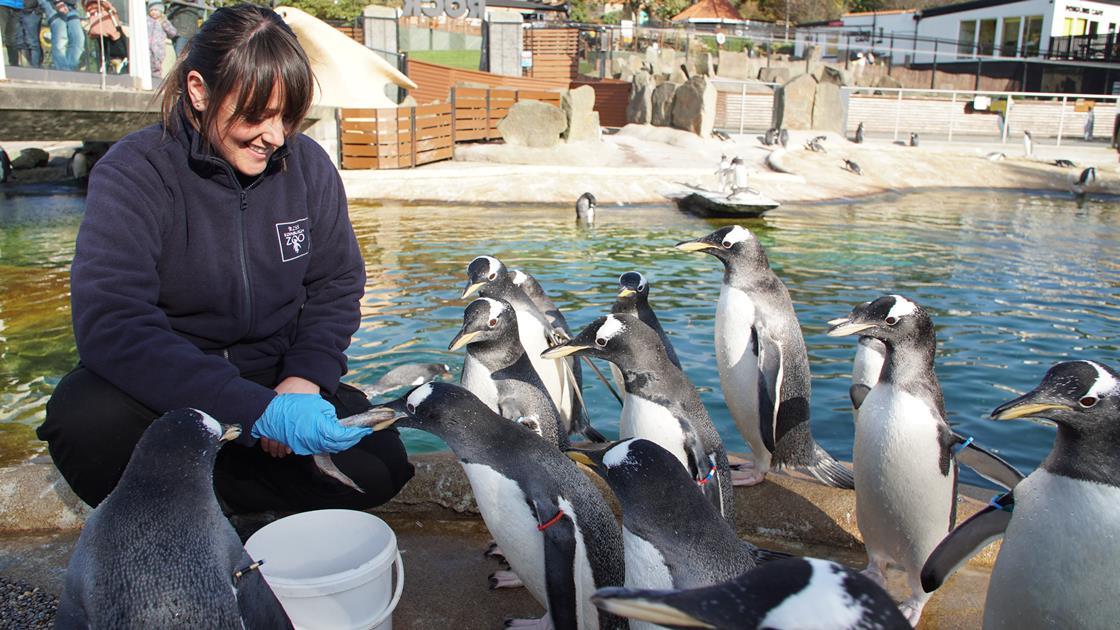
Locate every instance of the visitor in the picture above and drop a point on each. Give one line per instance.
(107, 39)
(216, 268)
(68, 41)
(159, 31)
(9, 19)
(27, 33)
(185, 17)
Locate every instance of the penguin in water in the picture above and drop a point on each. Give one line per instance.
(633, 299)
(557, 532)
(158, 552)
(498, 372)
(791, 594)
(407, 375)
(859, 133)
(490, 278)
(1028, 144)
(672, 535)
(1085, 182)
(5, 166)
(585, 209)
(762, 361)
(660, 404)
(905, 469)
(1058, 563)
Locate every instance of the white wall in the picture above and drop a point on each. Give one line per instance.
(947, 27)
(832, 39)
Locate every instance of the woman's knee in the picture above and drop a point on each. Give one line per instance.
(378, 464)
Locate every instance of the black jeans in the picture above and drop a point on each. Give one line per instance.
(91, 428)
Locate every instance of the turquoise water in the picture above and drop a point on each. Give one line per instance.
(1014, 284)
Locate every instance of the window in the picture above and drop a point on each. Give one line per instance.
(966, 38)
(1067, 27)
(1009, 46)
(987, 38)
(1032, 35)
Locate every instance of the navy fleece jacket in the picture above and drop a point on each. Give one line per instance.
(183, 279)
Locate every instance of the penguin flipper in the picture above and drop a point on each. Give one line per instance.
(828, 471)
(769, 386)
(255, 600)
(559, 564)
(857, 393)
(966, 541)
(987, 464)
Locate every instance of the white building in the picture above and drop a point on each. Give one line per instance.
(1071, 29)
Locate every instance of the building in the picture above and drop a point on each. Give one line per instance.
(721, 16)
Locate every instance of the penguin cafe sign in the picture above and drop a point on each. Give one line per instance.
(436, 8)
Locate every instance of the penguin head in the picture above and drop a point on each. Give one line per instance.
(485, 272)
(611, 338)
(1080, 395)
(183, 432)
(731, 244)
(585, 206)
(485, 319)
(431, 407)
(640, 472)
(890, 318)
(632, 290)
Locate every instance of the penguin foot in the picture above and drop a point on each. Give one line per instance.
(912, 609)
(494, 551)
(544, 623)
(875, 574)
(747, 477)
(504, 579)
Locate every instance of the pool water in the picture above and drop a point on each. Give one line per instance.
(1013, 282)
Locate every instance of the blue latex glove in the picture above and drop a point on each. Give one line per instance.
(307, 424)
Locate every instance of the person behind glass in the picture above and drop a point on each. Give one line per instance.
(27, 33)
(216, 268)
(68, 41)
(185, 17)
(9, 25)
(107, 40)
(159, 31)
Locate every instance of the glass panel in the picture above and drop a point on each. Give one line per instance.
(1067, 27)
(1032, 35)
(966, 38)
(987, 39)
(1010, 44)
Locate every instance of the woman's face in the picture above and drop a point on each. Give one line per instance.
(245, 144)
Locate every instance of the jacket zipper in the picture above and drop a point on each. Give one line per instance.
(245, 263)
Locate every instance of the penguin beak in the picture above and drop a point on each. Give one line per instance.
(844, 327)
(387, 415)
(462, 339)
(629, 604)
(230, 432)
(837, 321)
(591, 458)
(626, 292)
(563, 350)
(693, 246)
(471, 288)
(1027, 406)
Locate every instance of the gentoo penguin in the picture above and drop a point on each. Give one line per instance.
(783, 137)
(738, 176)
(633, 299)
(791, 594)
(498, 372)
(660, 404)
(672, 535)
(1064, 163)
(1028, 144)
(905, 471)
(585, 209)
(852, 167)
(859, 133)
(536, 294)
(490, 277)
(1058, 563)
(723, 173)
(913, 139)
(815, 146)
(5, 166)
(762, 361)
(557, 532)
(158, 552)
(77, 166)
(407, 375)
(770, 138)
(1085, 182)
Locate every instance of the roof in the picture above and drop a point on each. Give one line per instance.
(885, 12)
(983, 4)
(526, 5)
(709, 9)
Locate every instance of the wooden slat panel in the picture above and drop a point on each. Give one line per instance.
(359, 162)
(435, 81)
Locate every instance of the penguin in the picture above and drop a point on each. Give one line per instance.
(762, 361)
(536, 294)
(557, 532)
(1064, 164)
(633, 298)
(1028, 144)
(815, 146)
(5, 166)
(660, 404)
(818, 139)
(905, 469)
(859, 133)
(490, 278)
(723, 173)
(791, 594)
(739, 183)
(1086, 181)
(498, 372)
(672, 535)
(585, 209)
(409, 374)
(996, 156)
(783, 137)
(77, 166)
(1058, 562)
(771, 137)
(913, 139)
(157, 552)
(852, 167)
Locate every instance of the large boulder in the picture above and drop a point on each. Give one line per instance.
(774, 74)
(31, 157)
(533, 124)
(694, 107)
(835, 76)
(793, 103)
(578, 106)
(640, 108)
(663, 94)
(828, 108)
(705, 63)
(734, 65)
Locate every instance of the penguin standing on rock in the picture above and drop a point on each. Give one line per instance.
(660, 403)
(157, 552)
(762, 360)
(791, 594)
(1058, 563)
(557, 532)
(905, 469)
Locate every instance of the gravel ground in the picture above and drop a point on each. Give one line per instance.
(23, 606)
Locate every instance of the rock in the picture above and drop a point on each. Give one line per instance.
(828, 74)
(32, 157)
(640, 108)
(651, 60)
(579, 110)
(828, 108)
(626, 74)
(887, 82)
(677, 75)
(733, 65)
(773, 74)
(694, 107)
(668, 60)
(662, 115)
(533, 124)
(705, 64)
(793, 103)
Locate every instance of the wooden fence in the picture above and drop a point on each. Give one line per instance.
(555, 53)
(396, 137)
(435, 81)
(479, 110)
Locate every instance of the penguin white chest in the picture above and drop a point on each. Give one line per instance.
(738, 366)
(1058, 563)
(478, 379)
(645, 569)
(535, 341)
(903, 501)
(642, 418)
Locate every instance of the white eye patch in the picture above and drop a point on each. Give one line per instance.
(738, 234)
(618, 454)
(496, 307)
(210, 423)
(1105, 382)
(611, 327)
(419, 395)
(902, 307)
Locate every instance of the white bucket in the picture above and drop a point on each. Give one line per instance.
(331, 569)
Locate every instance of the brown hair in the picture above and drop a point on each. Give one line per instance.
(243, 52)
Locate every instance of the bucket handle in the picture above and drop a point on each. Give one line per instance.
(396, 593)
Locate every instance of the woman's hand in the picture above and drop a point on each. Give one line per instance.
(296, 385)
(274, 448)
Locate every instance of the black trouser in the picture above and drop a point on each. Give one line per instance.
(92, 427)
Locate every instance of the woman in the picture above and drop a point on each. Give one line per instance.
(216, 268)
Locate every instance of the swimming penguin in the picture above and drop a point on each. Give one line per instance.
(660, 403)
(762, 361)
(1085, 181)
(672, 535)
(633, 299)
(1058, 563)
(492, 279)
(859, 133)
(585, 209)
(5, 166)
(499, 373)
(913, 139)
(407, 375)
(557, 532)
(851, 166)
(905, 470)
(791, 594)
(1028, 144)
(157, 552)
